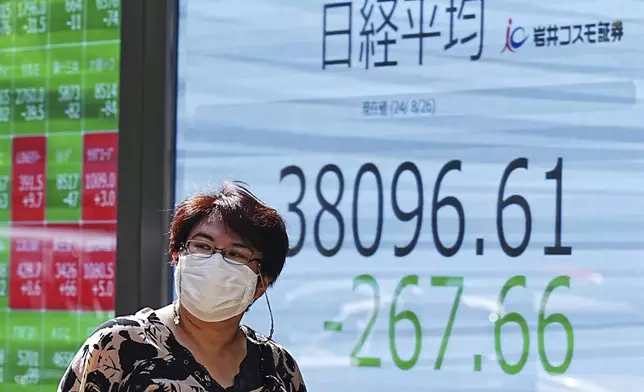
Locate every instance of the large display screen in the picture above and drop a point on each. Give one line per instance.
(59, 95)
(463, 182)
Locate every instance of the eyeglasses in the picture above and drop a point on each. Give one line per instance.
(234, 256)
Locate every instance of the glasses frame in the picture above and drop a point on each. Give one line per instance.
(221, 251)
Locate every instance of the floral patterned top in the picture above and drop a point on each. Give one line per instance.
(140, 353)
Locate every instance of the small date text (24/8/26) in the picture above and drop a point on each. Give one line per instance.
(501, 319)
(330, 207)
(399, 107)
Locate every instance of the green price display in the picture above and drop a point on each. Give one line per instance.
(24, 354)
(397, 316)
(65, 154)
(30, 88)
(5, 179)
(6, 92)
(67, 74)
(61, 332)
(59, 99)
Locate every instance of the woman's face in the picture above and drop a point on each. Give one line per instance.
(214, 233)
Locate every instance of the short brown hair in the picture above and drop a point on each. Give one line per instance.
(244, 214)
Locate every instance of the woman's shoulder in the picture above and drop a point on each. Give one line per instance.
(130, 323)
(133, 328)
(112, 350)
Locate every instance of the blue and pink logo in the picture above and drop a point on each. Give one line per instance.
(514, 37)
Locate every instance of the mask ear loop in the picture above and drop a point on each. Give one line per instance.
(270, 311)
(268, 303)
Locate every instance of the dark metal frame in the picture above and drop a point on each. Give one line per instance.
(146, 152)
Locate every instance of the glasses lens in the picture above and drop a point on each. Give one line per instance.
(235, 256)
(200, 248)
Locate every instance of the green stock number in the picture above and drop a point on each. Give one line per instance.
(397, 315)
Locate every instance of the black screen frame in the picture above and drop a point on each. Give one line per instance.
(147, 149)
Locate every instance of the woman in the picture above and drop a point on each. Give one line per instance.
(228, 247)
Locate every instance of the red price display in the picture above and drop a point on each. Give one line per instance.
(62, 258)
(26, 269)
(28, 179)
(98, 267)
(100, 164)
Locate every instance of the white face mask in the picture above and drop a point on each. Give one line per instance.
(212, 289)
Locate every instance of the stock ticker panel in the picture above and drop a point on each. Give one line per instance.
(59, 96)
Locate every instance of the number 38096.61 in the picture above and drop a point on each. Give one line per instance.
(331, 207)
